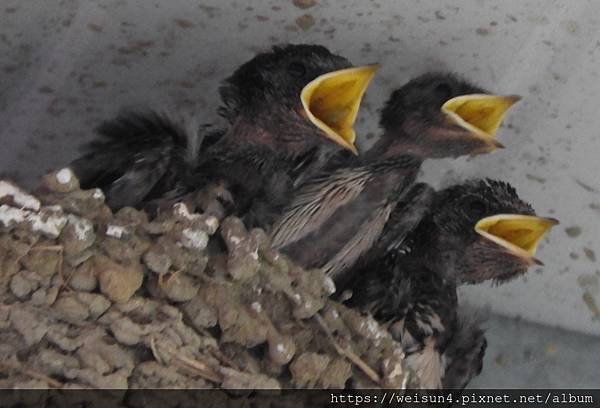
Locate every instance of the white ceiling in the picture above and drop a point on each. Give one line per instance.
(67, 64)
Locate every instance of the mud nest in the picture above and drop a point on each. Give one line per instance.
(93, 299)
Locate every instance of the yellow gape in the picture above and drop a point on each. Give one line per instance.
(331, 101)
(520, 234)
(480, 114)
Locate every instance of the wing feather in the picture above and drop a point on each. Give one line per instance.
(316, 202)
(367, 235)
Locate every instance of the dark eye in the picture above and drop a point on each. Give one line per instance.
(296, 69)
(443, 89)
(477, 207)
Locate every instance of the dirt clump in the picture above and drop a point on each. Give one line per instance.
(93, 299)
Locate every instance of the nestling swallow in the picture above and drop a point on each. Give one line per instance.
(288, 109)
(476, 231)
(336, 217)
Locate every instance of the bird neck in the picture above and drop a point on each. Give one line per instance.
(386, 156)
(248, 133)
(426, 141)
(284, 134)
(391, 144)
(428, 250)
(442, 258)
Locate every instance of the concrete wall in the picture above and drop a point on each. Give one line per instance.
(67, 64)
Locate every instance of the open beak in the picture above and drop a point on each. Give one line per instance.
(480, 114)
(519, 234)
(331, 102)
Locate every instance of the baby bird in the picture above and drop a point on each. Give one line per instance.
(288, 109)
(336, 217)
(473, 232)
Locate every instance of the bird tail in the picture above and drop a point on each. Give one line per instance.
(139, 156)
(464, 354)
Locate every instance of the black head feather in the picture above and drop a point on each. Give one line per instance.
(423, 97)
(455, 213)
(277, 76)
(459, 207)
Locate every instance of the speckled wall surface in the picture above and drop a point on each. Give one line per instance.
(67, 64)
